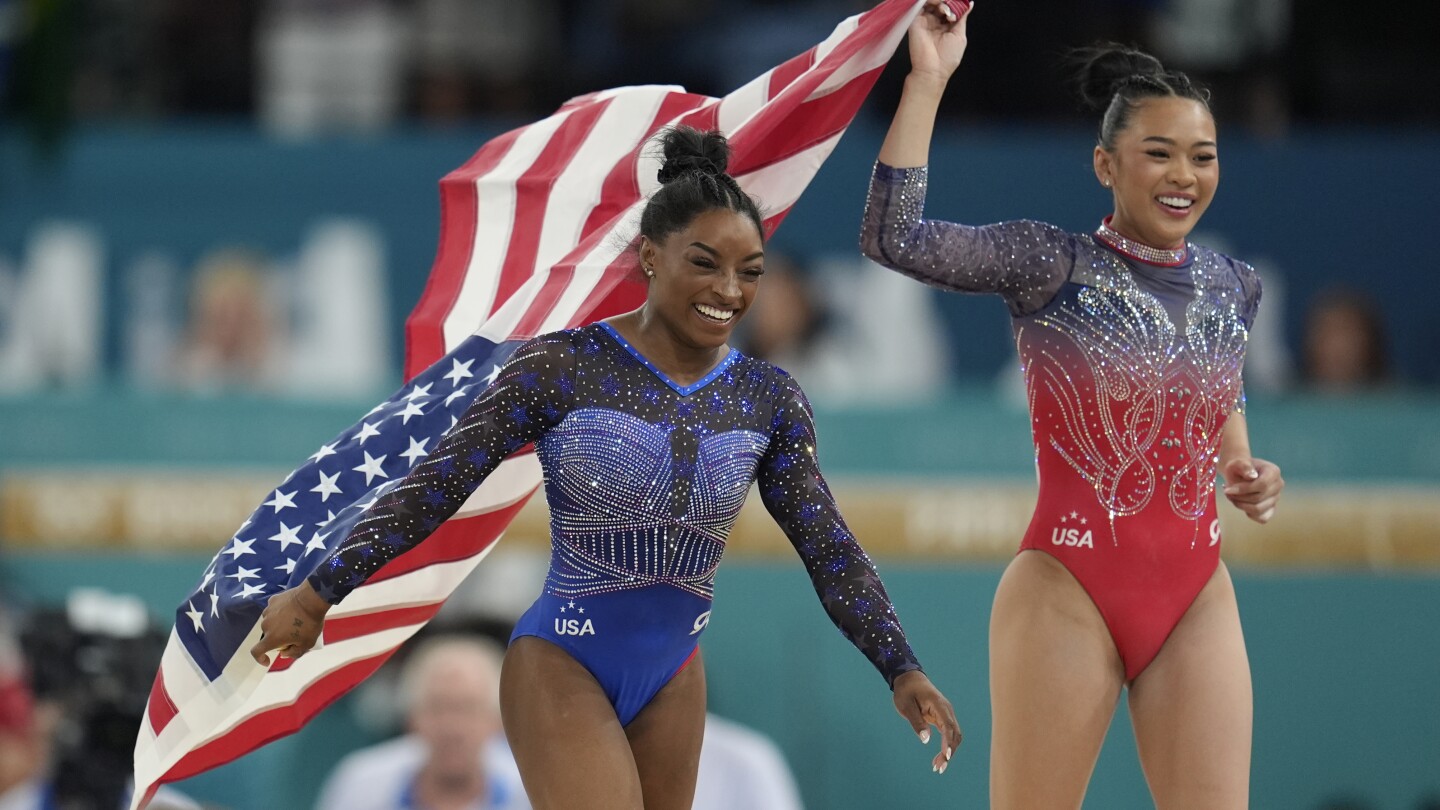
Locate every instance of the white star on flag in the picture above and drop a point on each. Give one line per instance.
(327, 486)
(289, 566)
(416, 451)
(281, 500)
(456, 394)
(325, 450)
(366, 431)
(459, 371)
(196, 616)
(244, 573)
(317, 542)
(411, 409)
(215, 602)
(240, 548)
(493, 375)
(250, 590)
(372, 469)
(287, 535)
(420, 391)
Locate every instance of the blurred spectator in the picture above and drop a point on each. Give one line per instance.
(742, 768)
(330, 65)
(234, 328)
(454, 755)
(1235, 47)
(1345, 343)
(338, 346)
(861, 335)
(50, 312)
(22, 758)
(481, 56)
(786, 324)
(72, 748)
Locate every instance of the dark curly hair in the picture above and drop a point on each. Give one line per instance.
(1115, 79)
(693, 180)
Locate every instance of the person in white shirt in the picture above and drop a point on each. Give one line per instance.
(455, 756)
(742, 768)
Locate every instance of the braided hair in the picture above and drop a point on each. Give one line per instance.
(1115, 79)
(693, 180)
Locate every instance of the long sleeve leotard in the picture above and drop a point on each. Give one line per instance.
(644, 480)
(1132, 360)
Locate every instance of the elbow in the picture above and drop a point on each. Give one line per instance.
(875, 247)
(870, 245)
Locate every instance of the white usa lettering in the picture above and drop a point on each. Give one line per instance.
(574, 627)
(1072, 538)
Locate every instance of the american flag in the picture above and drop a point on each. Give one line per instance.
(533, 236)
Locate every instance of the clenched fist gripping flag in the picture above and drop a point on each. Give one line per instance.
(532, 239)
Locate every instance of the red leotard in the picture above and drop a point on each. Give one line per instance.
(1132, 360)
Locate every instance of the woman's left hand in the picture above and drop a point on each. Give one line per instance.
(919, 702)
(1254, 486)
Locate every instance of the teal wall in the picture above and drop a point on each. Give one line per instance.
(1321, 207)
(1382, 438)
(1346, 670)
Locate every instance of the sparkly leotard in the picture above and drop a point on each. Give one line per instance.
(1132, 359)
(644, 479)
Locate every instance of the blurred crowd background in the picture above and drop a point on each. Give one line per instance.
(215, 216)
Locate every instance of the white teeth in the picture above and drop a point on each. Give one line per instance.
(1176, 202)
(716, 314)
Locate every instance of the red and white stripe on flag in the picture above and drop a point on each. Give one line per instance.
(533, 239)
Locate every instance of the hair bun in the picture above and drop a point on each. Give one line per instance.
(686, 149)
(1103, 69)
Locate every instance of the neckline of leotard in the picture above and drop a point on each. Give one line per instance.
(1140, 251)
(682, 390)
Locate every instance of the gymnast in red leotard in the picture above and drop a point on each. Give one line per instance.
(1132, 342)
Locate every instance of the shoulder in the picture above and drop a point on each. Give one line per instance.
(1244, 274)
(553, 350)
(777, 383)
(563, 341)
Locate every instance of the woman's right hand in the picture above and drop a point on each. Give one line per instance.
(937, 40)
(290, 624)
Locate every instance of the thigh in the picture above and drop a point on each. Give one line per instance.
(1055, 679)
(568, 743)
(665, 738)
(1192, 708)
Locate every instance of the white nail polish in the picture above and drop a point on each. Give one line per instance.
(925, 737)
(948, 752)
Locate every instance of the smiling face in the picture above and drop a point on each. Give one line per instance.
(705, 276)
(1163, 171)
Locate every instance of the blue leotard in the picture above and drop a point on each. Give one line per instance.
(644, 480)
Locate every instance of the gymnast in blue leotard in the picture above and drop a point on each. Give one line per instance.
(650, 430)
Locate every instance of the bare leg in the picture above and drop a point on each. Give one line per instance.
(665, 738)
(569, 745)
(1192, 708)
(1055, 679)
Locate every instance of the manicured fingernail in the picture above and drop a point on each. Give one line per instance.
(1254, 474)
(934, 768)
(943, 766)
(948, 751)
(925, 737)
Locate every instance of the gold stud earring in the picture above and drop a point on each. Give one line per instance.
(1107, 183)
